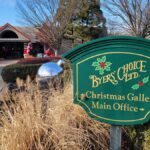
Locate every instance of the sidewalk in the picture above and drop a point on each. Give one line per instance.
(7, 62)
(1, 81)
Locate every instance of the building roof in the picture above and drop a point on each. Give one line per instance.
(30, 32)
(24, 34)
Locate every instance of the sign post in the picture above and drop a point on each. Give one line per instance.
(115, 138)
(111, 79)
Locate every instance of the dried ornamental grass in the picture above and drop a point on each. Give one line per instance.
(48, 120)
(147, 140)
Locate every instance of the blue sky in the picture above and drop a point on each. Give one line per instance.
(8, 13)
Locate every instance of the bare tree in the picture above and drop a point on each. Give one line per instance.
(51, 17)
(131, 16)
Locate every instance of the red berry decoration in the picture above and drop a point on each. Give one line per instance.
(102, 64)
(140, 83)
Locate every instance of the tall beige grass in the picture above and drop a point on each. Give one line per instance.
(48, 120)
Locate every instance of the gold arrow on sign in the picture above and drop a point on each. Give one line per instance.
(141, 109)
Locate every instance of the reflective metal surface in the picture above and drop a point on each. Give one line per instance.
(60, 62)
(49, 70)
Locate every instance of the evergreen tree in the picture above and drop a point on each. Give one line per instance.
(88, 22)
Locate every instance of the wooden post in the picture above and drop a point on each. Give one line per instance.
(115, 138)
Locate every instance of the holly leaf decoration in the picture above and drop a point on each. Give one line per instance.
(107, 69)
(101, 71)
(108, 64)
(98, 68)
(101, 65)
(95, 64)
(140, 83)
(103, 58)
(99, 60)
(146, 79)
(135, 86)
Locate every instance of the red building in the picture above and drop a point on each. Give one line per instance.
(13, 40)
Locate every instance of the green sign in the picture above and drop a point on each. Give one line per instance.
(112, 79)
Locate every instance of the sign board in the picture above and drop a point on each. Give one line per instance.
(112, 79)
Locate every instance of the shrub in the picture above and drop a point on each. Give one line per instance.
(138, 136)
(147, 140)
(27, 67)
(12, 72)
(38, 60)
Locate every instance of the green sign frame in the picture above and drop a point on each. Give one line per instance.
(111, 78)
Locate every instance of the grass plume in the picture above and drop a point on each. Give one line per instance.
(48, 120)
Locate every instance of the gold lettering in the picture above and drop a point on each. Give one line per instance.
(140, 97)
(124, 72)
(88, 94)
(119, 74)
(95, 105)
(124, 107)
(95, 81)
(142, 66)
